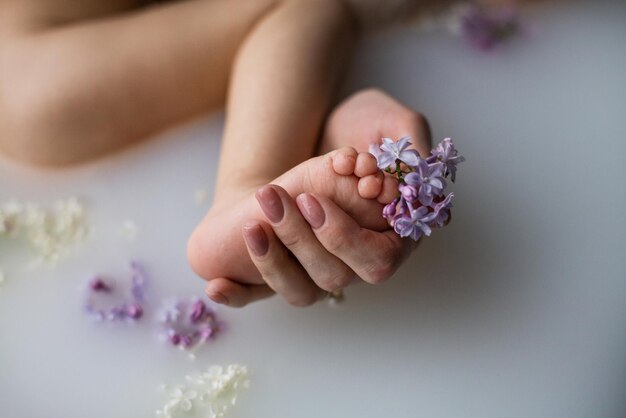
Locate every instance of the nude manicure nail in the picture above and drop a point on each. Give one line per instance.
(271, 204)
(311, 210)
(218, 297)
(256, 239)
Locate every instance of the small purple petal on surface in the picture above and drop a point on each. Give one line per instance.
(198, 309)
(98, 285)
(138, 279)
(134, 311)
(188, 324)
(104, 302)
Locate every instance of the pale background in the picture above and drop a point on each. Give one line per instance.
(517, 309)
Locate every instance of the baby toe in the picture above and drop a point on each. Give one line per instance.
(365, 165)
(389, 190)
(371, 186)
(344, 161)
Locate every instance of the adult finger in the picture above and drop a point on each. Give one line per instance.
(374, 256)
(326, 270)
(233, 294)
(282, 273)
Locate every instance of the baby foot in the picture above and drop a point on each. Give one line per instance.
(368, 115)
(216, 248)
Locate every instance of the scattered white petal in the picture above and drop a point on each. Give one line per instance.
(208, 394)
(2, 278)
(51, 233)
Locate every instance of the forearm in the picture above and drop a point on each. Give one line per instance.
(282, 83)
(75, 92)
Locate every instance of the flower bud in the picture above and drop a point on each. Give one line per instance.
(390, 210)
(408, 192)
(197, 311)
(134, 311)
(98, 285)
(186, 341)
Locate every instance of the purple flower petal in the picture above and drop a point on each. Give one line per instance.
(99, 285)
(105, 302)
(391, 152)
(404, 142)
(375, 150)
(134, 311)
(385, 160)
(485, 28)
(448, 155)
(408, 192)
(138, 281)
(425, 196)
(409, 157)
(189, 324)
(414, 226)
(436, 183)
(441, 211)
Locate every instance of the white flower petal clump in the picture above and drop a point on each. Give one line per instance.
(49, 232)
(207, 395)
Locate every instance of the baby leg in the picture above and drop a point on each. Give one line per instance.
(74, 91)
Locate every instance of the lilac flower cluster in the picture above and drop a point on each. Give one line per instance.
(485, 28)
(188, 324)
(105, 304)
(421, 203)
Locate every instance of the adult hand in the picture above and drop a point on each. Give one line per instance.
(317, 247)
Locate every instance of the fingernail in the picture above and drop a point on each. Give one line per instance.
(270, 204)
(311, 210)
(218, 297)
(256, 240)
